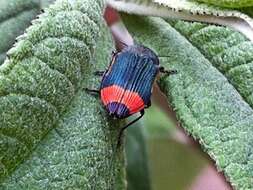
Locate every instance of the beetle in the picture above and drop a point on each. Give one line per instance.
(126, 85)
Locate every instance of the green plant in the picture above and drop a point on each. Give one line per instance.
(56, 136)
(53, 134)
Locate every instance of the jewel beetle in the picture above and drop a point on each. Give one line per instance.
(126, 85)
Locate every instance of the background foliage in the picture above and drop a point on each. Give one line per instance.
(207, 105)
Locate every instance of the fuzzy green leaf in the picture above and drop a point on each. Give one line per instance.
(53, 134)
(15, 17)
(229, 51)
(46, 3)
(189, 10)
(207, 105)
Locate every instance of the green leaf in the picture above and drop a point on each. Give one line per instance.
(207, 105)
(53, 134)
(189, 10)
(229, 3)
(174, 164)
(248, 11)
(15, 17)
(229, 51)
(46, 3)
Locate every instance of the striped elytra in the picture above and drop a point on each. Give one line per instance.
(126, 86)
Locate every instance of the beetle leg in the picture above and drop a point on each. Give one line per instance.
(148, 105)
(99, 73)
(92, 91)
(114, 53)
(168, 72)
(123, 128)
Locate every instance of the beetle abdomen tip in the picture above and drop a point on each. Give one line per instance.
(117, 109)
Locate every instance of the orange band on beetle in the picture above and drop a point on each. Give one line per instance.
(130, 99)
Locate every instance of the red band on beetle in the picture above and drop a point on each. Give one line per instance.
(130, 99)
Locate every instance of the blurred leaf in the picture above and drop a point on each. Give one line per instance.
(137, 161)
(229, 3)
(207, 105)
(15, 17)
(173, 165)
(157, 123)
(53, 134)
(248, 11)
